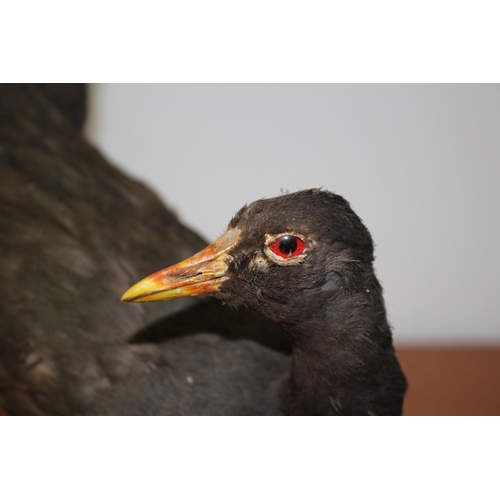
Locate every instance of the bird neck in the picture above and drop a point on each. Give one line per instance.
(343, 360)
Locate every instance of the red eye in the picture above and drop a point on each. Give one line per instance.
(287, 246)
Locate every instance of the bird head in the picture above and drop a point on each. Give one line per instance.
(282, 256)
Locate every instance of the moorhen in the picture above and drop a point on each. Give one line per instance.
(305, 261)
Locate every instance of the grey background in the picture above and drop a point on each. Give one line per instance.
(419, 163)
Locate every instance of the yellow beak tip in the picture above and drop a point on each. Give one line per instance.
(126, 297)
(139, 291)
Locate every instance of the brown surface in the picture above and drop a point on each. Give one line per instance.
(451, 381)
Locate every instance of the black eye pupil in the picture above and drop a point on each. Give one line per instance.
(288, 244)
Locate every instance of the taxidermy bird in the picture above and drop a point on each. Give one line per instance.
(304, 261)
(75, 233)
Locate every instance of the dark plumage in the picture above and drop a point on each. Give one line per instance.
(330, 303)
(304, 261)
(74, 233)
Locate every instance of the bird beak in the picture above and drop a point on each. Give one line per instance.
(200, 274)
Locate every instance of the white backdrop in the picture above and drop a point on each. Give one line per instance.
(420, 164)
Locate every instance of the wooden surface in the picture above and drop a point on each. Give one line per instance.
(451, 381)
